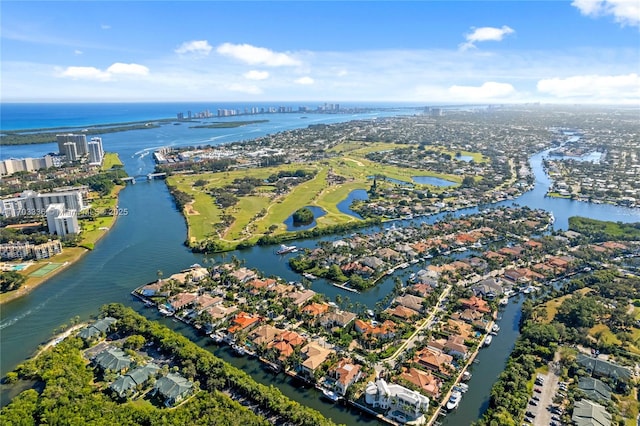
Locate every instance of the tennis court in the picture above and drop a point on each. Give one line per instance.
(45, 270)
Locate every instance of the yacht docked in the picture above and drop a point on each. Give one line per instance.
(287, 249)
(487, 340)
(454, 400)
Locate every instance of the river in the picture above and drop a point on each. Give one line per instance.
(150, 238)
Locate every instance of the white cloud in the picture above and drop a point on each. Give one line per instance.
(485, 34)
(128, 69)
(105, 26)
(488, 90)
(253, 55)
(197, 47)
(93, 73)
(78, 52)
(85, 73)
(625, 12)
(304, 81)
(593, 86)
(250, 89)
(256, 75)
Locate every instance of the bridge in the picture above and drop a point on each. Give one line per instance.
(151, 176)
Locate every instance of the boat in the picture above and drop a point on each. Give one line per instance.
(454, 400)
(487, 340)
(330, 395)
(217, 337)
(165, 312)
(504, 301)
(466, 376)
(370, 313)
(404, 265)
(238, 349)
(461, 387)
(495, 328)
(309, 276)
(287, 249)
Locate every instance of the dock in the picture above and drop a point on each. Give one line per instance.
(344, 287)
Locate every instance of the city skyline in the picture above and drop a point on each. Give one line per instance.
(585, 51)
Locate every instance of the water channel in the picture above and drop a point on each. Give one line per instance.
(150, 238)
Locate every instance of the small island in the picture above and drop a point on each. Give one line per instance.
(303, 216)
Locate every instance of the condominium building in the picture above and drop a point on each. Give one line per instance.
(96, 153)
(62, 221)
(80, 141)
(70, 151)
(33, 203)
(26, 250)
(13, 165)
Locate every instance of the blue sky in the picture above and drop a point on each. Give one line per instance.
(555, 51)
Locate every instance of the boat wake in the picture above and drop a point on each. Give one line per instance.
(9, 322)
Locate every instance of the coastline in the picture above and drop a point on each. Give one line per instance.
(70, 256)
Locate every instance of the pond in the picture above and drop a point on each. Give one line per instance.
(344, 206)
(433, 181)
(317, 212)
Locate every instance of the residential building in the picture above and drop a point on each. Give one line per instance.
(588, 413)
(33, 203)
(97, 329)
(345, 374)
(26, 250)
(79, 141)
(61, 221)
(173, 388)
(13, 165)
(314, 355)
(406, 405)
(113, 360)
(127, 384)
(96, 153)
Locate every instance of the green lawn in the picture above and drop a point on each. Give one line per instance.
(110, 159)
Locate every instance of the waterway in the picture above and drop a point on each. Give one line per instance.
(150, 238)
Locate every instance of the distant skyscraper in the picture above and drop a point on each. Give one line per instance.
(96, 153)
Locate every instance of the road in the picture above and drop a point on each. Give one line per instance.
(410, 342)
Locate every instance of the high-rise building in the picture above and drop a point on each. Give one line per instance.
(80, 142)
(96, 153)
(70, 151)
(61, 221)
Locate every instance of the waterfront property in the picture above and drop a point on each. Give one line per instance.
(399, 403)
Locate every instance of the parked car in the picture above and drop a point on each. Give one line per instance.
(529, 414)
(532, 402)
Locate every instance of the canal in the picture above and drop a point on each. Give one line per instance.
(150, 238)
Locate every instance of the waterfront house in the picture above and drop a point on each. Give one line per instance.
(113, 359)
(435, 359)
(286, 342)
(410, 301)
(97, 329)
(402, 312)
(182, 301)
(475, 303)
(425, 381)
(404, 404)
(345, 373)
(299, 298)
(313, 356)
(127, 384)
(264, 335)
(220, 312)
(155, 289)
(314, 309)
(488, 288)
(243, 322)
(173, 388)
(454, 345)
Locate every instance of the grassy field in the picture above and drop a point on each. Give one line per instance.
(253, 215)
(110, 159)
(547, 311)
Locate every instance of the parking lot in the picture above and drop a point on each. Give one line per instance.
(544, 390)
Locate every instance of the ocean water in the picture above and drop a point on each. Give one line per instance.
(21, 116)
